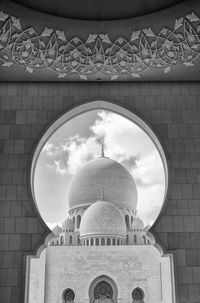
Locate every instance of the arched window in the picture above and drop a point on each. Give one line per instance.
(127, 221)
(87, 242)
(102, 241)
(135, 239)
(117, 241)
(68, 296)
(138, 295)
(113, 242)
(78, 221)
(131, 220)
(127, 239)
(103, 292)
(61, 240)
(108, 241)
(92, 242)
(70, 239)
(144, 238)
(78, 240)
(97, 242)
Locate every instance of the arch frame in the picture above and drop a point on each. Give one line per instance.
(97, 280)
(133, 116)
(99, 104)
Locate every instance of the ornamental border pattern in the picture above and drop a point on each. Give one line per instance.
(99, 57)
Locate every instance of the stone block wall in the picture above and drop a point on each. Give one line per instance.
(173, 112)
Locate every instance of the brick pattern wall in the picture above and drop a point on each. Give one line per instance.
(172, 110)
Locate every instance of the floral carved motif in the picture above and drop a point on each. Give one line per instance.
(99, 56)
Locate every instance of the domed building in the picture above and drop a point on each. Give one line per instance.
(102, 253)
(102, 207)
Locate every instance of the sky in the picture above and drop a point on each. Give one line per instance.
(77, 142)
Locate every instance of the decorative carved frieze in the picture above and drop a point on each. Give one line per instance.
(99, 57)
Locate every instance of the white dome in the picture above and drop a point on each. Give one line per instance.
(103, 175)
(56, 230)
(68, 224)
(103, 219)
(137, 224)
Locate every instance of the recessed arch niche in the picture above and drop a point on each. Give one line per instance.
(84, 109)
(167, 260)
(102, 288)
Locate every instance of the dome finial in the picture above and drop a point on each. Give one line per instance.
(102, 150)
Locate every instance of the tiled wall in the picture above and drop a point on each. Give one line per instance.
(171, 109)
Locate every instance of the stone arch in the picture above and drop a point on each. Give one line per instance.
(127, 221)
(103, 282)
(78, 221)
(104, 105)
(107, 105)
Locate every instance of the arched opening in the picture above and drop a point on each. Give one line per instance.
(68, 296)
(103, 289)
(144, 239)
(78, 221)
(61, 240)
(70, 239)
(131, 220)
(127, 221)
(138, 295)
(135, 239)
(142, 128)
(103, 292)
(132, 118)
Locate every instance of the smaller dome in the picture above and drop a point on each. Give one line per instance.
(68, 224)
(56, 230)
(103, 219)
(137, 224)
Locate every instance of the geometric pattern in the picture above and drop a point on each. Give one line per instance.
(99, 56)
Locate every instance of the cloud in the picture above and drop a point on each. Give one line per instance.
(124, 142)
(71, 155)
(150, 202)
